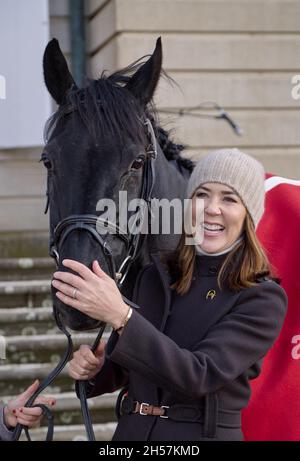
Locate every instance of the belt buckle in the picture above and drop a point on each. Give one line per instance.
(162, 416)
(141, 408)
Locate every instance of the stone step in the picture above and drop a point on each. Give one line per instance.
(15, 378)
(68, 411)
(69, 401)
(25, 315)
(28, 321)
(24, 244)
(26, 268)
(26, 371)
(103, 432)
(24, 321)
(25, 293)
(43, 348)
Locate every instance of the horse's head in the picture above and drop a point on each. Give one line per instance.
(97, 144)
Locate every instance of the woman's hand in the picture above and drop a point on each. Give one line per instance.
(92, 292)
(86, 364)
(15, 412)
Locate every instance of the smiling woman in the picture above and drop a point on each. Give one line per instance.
(230, 186)
(224, 216)
(185, 358)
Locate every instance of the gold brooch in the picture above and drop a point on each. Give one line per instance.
(211, 294)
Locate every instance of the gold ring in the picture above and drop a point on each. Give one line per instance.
(74, 293)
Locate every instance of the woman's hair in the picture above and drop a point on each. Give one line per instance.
(243, 265)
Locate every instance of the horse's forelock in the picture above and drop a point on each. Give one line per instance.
(108, 109)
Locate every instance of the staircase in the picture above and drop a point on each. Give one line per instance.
(34, 346)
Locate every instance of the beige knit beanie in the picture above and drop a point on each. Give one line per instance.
(237, 170)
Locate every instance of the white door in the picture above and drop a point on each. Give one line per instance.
(24, 101)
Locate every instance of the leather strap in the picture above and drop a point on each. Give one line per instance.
(184, 413)
(147, 409)
(211, 415)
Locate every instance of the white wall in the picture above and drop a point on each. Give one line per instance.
(239, 53)
(24, 32)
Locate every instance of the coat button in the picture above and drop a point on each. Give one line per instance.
(213, 270)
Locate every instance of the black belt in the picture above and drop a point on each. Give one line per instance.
(181, 413)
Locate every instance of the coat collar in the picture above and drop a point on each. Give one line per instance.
(207, 266)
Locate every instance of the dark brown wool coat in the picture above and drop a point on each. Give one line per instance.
(198, 350)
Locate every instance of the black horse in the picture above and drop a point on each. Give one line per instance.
(103, 139)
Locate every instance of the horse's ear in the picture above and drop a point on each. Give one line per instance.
(143, 83)
(57, 76)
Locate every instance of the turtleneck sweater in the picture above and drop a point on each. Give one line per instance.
(199, 250)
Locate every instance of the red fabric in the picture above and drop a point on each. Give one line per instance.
(273, 412)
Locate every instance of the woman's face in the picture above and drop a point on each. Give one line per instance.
(224, 216)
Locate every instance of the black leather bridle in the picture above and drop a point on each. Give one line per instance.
(133, 243)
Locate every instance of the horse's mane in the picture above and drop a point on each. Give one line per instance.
(124, 114)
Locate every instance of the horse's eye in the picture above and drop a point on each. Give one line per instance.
(48, 164)
(137, 163)
(46, 161)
